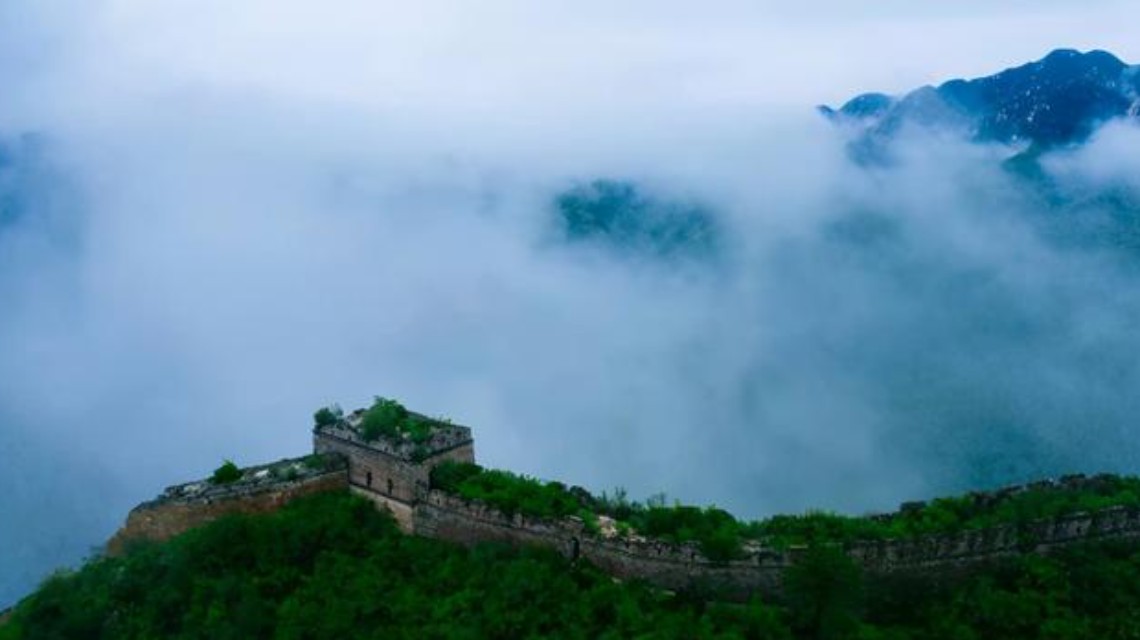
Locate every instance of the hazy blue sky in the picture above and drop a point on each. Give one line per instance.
(504, 59)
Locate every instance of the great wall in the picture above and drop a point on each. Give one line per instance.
(395, 475)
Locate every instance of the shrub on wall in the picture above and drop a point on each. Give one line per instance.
(715, 530)
(383, 418)
(328, 416)
(449, 476)
(319, 462)
(226, 474)
(512, 493)
(508, 492)
(390, 419)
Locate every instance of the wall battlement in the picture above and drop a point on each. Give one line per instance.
(394, 472)
(256, 479)
(261, 489)
(441, 437)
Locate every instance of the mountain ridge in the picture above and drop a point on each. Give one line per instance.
(1058, 100)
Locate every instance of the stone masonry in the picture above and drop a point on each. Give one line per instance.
(261, 489)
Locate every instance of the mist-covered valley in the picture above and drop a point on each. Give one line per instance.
(722, 302)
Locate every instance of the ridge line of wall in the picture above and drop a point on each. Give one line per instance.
(435, 514)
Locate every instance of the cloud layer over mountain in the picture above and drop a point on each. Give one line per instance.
(202, 244)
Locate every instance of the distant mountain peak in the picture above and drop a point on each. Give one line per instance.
(1058, 100)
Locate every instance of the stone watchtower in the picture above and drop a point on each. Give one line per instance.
(394, 471)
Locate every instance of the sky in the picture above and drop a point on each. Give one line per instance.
(230, 215)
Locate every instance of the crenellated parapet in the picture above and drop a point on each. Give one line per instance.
(665, 564)
(952, 552)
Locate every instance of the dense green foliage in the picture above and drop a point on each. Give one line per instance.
(331, 566)
(824, 593)
(508, 492)
(391, 419)
(227, 473)
(715, 530)
(1081, 593)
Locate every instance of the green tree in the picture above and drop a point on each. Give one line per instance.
(383, 418)
(824, 591)
(227, 473)
(328, 416)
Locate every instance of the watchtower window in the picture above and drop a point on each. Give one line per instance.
(368, 478)
(389, 486)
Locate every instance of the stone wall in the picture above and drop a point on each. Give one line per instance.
(446, 517)
(676, 567)
(372, 466)
(190, 505)
(951, 553)
(402, 512)
(374, 469)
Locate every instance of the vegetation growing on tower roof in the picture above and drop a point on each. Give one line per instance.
(390, 419)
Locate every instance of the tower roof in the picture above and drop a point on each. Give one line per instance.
(403, 434)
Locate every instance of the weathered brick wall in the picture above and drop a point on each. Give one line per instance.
(374, 469)
(385, 472)
(402, 512)
(670, 566)
(165, 518)
(951, 553)
(460, 453)
(679, 567)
